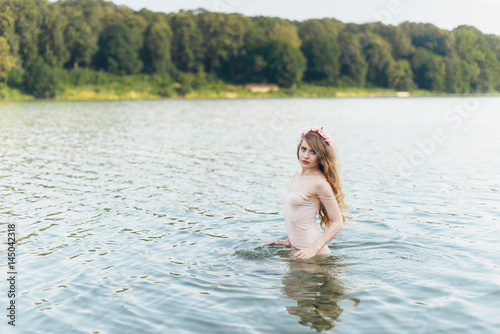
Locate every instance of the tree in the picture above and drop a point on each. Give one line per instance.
(85, 23)
(8, 61)
(51, 42)
(323, 60)
(454, 82)
(187, 52)
(8, 27)
(136, 23)
(494, 42)
(313, 28)
(223, 36)
(157, 42)
(91, 12)
(353, 65)
(400, 41)
(379, 56)
(117, 53)
(40, 80)
(81, 42)
(236, 48)
(284, 29)
(429, 69)
(28, 17)
(428, 36)
(250, 63)
(400, 75)
(285, 63)
(473, 48)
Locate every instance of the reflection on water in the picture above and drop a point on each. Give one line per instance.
(314, 284)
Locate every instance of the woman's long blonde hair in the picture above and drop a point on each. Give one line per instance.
(328, 165)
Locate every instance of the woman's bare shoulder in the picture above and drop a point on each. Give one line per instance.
(320, 182)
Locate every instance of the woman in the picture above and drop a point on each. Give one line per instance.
(316, 189)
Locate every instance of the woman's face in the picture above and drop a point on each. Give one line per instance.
(307, 156)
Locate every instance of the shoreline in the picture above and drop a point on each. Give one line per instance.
(230, 93)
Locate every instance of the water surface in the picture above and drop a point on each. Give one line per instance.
(151, 216)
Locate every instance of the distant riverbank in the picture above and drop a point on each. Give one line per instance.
(215, 90)
(227, 91)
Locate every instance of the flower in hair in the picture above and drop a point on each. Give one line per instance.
(319, 130)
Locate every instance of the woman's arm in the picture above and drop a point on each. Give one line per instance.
(334, 213)
(329, 234)
(280, 242)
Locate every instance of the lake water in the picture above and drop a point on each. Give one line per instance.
(151, 216)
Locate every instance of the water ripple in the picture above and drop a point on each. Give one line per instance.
(143, 216)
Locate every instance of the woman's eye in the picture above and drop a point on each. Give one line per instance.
(302, 148)
(313, 152)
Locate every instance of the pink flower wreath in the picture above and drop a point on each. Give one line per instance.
(319, 130)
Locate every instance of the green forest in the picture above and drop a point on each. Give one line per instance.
(53, 48)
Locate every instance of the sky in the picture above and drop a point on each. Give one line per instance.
(445, 14)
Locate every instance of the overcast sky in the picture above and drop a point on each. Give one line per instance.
(446, 14)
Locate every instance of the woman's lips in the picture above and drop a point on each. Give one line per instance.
(306, 162)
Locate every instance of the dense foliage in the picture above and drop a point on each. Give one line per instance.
(43, 43)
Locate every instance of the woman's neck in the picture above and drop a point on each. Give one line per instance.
(307, 171)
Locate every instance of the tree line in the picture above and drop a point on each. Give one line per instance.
(38, 38)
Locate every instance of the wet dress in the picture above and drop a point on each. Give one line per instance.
(300, 216)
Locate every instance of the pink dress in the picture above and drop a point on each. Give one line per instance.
(300, 216)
